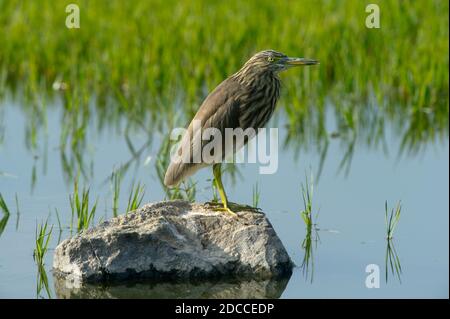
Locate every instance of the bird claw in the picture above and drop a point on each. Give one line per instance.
(219, 207)
(232, 208)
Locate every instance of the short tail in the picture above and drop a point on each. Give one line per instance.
(177, 172)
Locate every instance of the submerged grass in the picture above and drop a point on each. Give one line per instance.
(392, 260)
(17, 211)
(42, 282)
(3, 205)
(42, 239)
(312, 236)
(5, 213)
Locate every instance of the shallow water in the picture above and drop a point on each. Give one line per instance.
(351, 219)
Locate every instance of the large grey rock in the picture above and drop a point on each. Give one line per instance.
(174, 239)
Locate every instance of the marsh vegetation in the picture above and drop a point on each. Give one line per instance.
(312, 238)
(85, 115)
(392, 260)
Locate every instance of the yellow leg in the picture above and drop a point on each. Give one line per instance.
(217, 171)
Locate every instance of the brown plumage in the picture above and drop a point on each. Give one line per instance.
(246, 99)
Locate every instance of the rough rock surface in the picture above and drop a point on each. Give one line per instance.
(174, 239)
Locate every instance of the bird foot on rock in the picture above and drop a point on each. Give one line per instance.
(219, 207)
(226, 210)
(232, 207)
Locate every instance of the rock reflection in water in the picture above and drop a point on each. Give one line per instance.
(232, 288)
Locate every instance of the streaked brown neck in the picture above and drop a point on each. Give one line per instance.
(254, 75)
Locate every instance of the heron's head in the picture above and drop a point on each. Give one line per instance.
(270, 60)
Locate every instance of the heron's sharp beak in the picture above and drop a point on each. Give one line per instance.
(300, 61)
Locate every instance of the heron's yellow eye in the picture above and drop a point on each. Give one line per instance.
(270, 59)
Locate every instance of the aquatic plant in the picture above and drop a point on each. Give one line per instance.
(60, 226)
(143, 73)
(42, 282)
(125, 71)
(3, 205)
(311, 239)
(17, 211)
(392, 260)
(6, 214)
(79, 204)
(391, 219)
(42, 238)
(136, 196)
(307, 194)
(309, 243)
(256, 195)
(115, 185)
